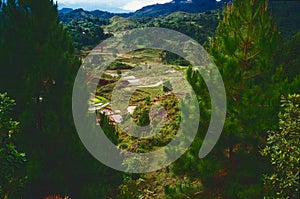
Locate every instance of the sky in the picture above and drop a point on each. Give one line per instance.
(109, 5)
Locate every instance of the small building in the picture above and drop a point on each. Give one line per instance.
(130, 109)
(114, 116)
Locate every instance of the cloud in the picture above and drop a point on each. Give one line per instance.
(138, 4)
(109, 5)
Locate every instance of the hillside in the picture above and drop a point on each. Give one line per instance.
(87, 31)
(199, 26)
(66, 15)
(188, 6)
(179, 15)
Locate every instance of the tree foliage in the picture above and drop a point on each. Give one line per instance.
(283, 147)
(242, 49)
(38, 69)
(86, 33)
(11, 160)
(244, 43)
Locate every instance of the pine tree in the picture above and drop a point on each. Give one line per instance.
(242, 49)
(39, 68)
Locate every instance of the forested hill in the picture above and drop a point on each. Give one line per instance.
(89, 31)
(189, 6)
(67, 14)
(285, 13)
(88, 28)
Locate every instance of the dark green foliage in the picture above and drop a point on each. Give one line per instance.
(286, 14)
(82, 15)
(119, 72)
(118, 65)
(245, 40)
(287, 55)
(142, 115)
(283, 147)
(167, 86)
(86, 33)
(108, 128)
(242, 48)
(11, 160)
(198, 26)
(39, 68)
(171, 58)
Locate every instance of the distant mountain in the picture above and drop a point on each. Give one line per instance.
(80, 14)
(65, 10)
(188, 6)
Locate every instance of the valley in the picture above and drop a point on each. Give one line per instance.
(95, 104)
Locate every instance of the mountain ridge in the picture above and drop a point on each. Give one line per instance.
(189, 6)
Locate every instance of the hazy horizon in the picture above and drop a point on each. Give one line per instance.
(120, 6)
(116, 6)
